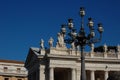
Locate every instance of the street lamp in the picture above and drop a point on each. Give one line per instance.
(81, 38)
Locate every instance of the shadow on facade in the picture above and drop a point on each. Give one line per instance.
(62, 74)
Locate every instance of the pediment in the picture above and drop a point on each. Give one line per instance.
(32, 56)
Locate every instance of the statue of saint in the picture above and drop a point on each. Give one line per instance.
(60, 40)
(73, 45)
(92, 47)
(51, 42)
(118, 48)
(105, 48)
(42, 44)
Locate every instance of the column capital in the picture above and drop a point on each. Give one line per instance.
(92, 70)
(78, 69)
(51, 67)
(106, 70)
(73, 68)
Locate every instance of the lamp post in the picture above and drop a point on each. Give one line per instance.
(80, 38)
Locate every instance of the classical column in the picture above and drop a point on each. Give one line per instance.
(92, 75)
(73, 74)
(106, 75)
(78, 74)
(42, 72)
(51, 73)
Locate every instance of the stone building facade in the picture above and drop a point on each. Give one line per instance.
(12, 70)
(62, 63)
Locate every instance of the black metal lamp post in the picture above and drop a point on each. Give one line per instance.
(81, 38)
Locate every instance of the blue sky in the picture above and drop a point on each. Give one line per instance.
(24, 22)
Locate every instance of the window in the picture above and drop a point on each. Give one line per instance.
(6, 78)
(18, 70)
(5, 69)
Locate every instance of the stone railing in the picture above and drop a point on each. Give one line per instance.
(61, 49)
(104, 55)
(98, 55)
(71, 52)
(11, 71)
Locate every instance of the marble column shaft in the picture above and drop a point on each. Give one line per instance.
(92, 75)
(51, 73)
(73, 74)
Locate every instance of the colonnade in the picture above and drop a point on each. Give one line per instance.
(92, 75)
(74, 75)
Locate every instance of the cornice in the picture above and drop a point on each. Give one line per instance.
(11, 61)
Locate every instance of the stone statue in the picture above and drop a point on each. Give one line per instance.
(118, 48)
(92, 47)
(42, 44)
(73, 45)
(60, 40)
(105, 48)
(51, 40)
(78, 48)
